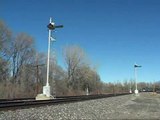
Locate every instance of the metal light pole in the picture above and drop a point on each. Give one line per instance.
(135, 74)
(51, 26)
(49, 43)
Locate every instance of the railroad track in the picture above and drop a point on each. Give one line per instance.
(30, 102)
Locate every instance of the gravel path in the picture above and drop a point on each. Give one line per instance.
(145, 106)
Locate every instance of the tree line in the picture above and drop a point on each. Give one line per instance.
(23, 70)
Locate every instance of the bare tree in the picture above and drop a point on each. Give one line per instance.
(88, 78)
(5, 38)
(22, 54)
(74, 57)
(81, 75)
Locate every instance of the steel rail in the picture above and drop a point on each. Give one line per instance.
(59, 100)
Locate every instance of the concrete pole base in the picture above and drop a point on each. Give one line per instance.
(130, 91)
(87, 92)
(46, 90)
(43, 97)
(136, 92)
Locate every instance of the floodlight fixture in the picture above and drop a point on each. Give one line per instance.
(52, 26)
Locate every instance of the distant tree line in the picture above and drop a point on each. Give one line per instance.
(23, 70)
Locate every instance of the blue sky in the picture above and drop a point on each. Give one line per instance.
(114, 33)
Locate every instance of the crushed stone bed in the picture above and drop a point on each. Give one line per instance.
(144, 106)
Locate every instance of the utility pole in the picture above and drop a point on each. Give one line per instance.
(37, 72)
(37, 75)
(36, 68)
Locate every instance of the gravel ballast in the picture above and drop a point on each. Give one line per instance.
(144, 106)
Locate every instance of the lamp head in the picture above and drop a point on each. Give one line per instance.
(51, 26)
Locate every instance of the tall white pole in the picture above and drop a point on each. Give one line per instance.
(49, 42)
(46, 89)
(135, 74)
(51, 26)
(130, 90)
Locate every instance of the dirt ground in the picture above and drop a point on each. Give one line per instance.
(143, 106)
